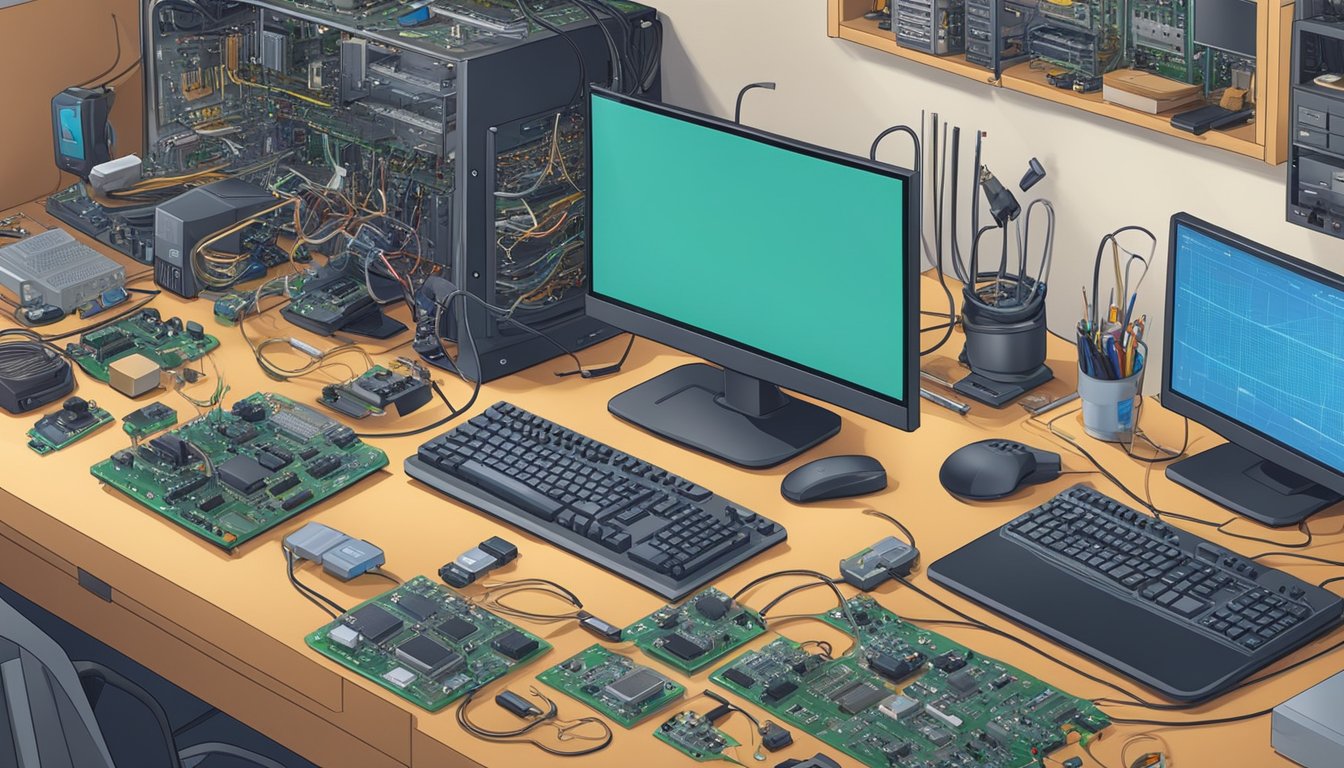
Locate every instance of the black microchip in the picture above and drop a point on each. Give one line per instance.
(243, 474)
(294, 500)
(457, 629)
(238, 432)
(270, 461)
(949, 662)
(374, 623)
(308, 453)
(514, 644)
(342, 438)
(738, 677)
(963, 682)
(429, 656)
(859, 697)
(419, 607)
(712, 607)
(684, 647)
(323, 466)
(172, 449)
(895, 669)
(778, 689)
(284, 483)
(211, 503)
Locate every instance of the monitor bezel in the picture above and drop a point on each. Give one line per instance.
(1236, 432)
(902, 413)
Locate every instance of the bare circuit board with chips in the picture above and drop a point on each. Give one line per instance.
(911, 697)
(696, 633)
(169, 343)
(427, 643)
(614, 685)
(229, 476)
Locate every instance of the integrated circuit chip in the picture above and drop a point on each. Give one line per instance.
(685, 647)
(514, 644)
(637, 687)
(457, 629)
(374, 623)
(712, 607)
(429, 656)
(243, 474)
(859, 697)
(417, 606)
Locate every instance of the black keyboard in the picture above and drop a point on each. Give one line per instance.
(1174, 610)
(661, 531)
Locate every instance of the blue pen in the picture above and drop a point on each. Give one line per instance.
(1114, 358)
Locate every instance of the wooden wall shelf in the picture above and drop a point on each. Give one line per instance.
(1265, 138)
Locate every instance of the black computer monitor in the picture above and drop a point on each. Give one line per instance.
(1254, 350)
(788, 264)
(1228, 25)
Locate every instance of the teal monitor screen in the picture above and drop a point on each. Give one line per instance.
(794, 253)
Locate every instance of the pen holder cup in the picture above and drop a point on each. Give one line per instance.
(1109, 406)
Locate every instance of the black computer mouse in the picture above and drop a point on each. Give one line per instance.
(992, 469)
(834, 477)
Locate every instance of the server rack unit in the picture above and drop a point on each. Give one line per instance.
(932, 26)
(469, 117)
(1085, 37)
(996, 32)
(1316, 156)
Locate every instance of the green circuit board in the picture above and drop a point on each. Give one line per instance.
(229, 476)
(695, 634)
(911, 697)
(426, 643)
(695, 737)
(166, 342)
(612, 684)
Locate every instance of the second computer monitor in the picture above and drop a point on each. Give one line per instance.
(787, 264)
(1254, 349)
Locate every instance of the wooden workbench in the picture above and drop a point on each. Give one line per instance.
(230, 629)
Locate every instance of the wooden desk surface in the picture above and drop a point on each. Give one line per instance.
(247, 625)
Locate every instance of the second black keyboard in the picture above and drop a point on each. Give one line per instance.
(1173, 610)
(661, 531)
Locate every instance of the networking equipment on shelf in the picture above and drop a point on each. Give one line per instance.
(1316, 125)
(996, 32)
(1086, 38)
(931, 26)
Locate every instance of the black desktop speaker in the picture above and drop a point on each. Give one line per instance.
(80, 132)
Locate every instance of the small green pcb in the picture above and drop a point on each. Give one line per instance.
(697, 633)
(695, 737)
(610, 683)
(76, 420)
(169, 343)
(426, 643)
(229, 476)
(143, 422)
(911, 697)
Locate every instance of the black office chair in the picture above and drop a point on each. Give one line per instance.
(47, 703)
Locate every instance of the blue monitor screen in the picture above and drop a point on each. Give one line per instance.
(1260, 344)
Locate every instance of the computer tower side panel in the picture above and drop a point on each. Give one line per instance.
(522, 179)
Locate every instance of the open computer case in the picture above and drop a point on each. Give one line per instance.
(463, 117)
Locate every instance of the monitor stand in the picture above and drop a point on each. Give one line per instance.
(1249, 485)
(726, 414)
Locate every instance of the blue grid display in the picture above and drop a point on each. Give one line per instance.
(1260, 344)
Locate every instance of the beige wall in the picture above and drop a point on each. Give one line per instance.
(45, 46)
(1103, 174)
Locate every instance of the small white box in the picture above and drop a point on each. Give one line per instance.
(1309, 728)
